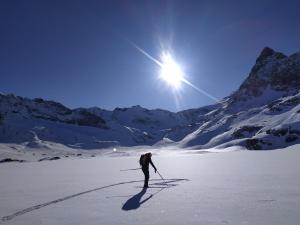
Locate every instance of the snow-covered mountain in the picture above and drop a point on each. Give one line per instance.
(37, 121)
(264, 113)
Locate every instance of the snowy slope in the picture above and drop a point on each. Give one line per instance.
(262, 114)
(27, 121)
(241, 187)
(272, 126)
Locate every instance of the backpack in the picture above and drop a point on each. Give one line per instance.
(142, 160)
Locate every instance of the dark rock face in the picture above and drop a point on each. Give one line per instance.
(48, 110)
(274, 70)
(86, 118)
(256, 144)
(253, 144)
(240, 133)
(6, 160)
(277, 105)
(54, 106)
(291, 138)
(266, 52)
(278, 132)
(49, 158)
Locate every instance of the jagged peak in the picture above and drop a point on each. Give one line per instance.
(274, 73)
(268, 52)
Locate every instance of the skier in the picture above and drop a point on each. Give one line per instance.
(145, 160)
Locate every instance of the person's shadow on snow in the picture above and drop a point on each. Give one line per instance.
(135, 201)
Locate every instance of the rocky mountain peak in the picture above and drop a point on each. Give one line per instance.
(268, 52)
(265, 53)
(273, 72)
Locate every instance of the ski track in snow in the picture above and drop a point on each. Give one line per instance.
(164, 184)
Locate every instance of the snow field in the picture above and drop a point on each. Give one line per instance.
(240, 187)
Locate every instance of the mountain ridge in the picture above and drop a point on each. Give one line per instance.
(265, 104)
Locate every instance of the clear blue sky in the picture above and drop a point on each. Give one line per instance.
(77, 53)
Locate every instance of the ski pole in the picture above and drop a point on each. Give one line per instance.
(131, 169)
(160, 175)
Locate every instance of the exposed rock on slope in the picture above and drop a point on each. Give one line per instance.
(267, 100)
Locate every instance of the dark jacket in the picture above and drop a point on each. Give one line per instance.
(145, 160)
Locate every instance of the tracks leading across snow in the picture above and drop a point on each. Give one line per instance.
(36, 207)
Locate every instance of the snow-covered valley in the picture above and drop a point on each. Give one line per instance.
(70, 166)
(238, 187)
(162, 112)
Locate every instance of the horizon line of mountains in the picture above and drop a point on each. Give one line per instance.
(264, 113)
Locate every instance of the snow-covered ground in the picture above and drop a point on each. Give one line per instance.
(239, 187)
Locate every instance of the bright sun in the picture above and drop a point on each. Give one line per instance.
(171, 71)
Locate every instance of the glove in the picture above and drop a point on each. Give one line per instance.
(155, 170)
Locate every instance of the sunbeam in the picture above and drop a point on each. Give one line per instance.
(171, 72)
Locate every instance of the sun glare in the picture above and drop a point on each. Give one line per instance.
(171, 71)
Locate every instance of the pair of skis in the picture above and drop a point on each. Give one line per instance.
(141, 168)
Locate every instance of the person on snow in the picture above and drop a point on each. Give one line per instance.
(145, 160)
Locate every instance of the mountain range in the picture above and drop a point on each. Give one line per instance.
(264, 113)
